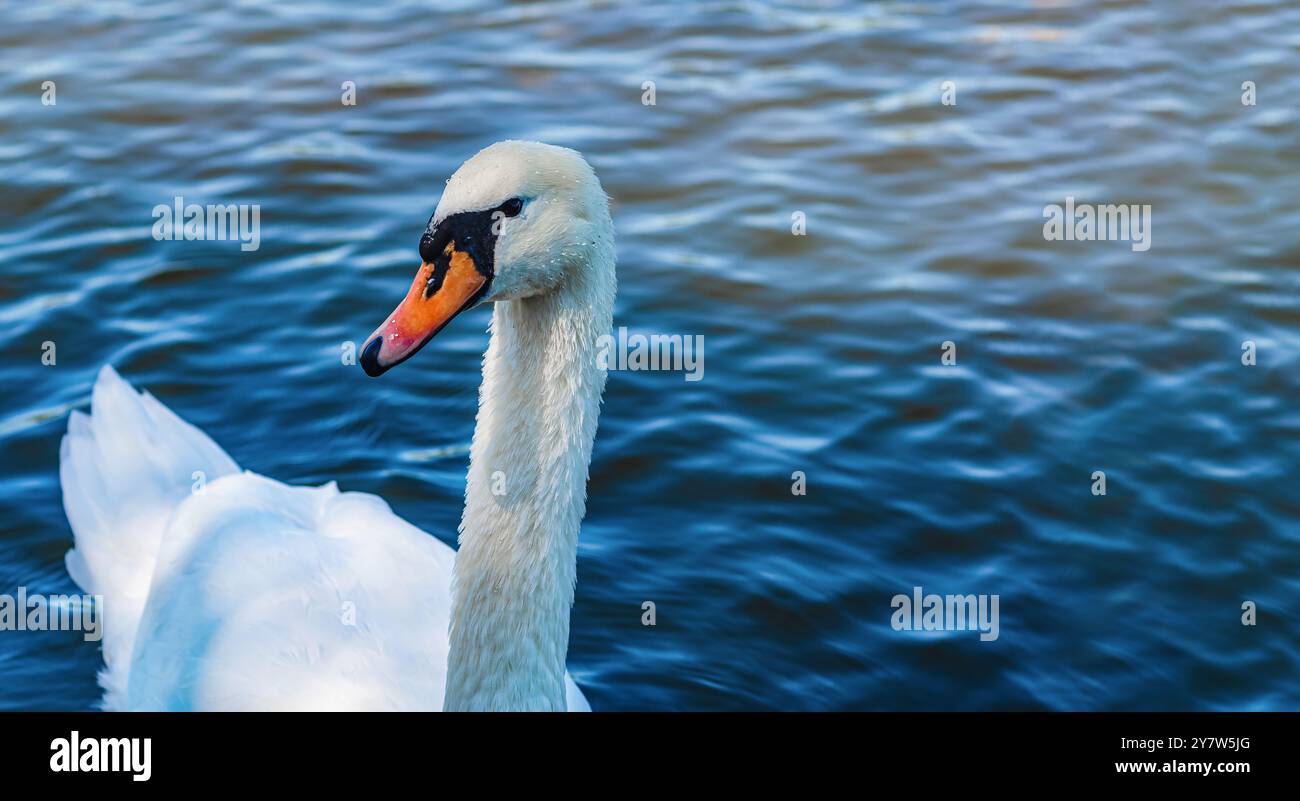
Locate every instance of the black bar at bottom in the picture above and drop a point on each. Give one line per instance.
(323, 749)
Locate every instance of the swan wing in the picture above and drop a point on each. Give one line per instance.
(123, 471)
(268, 597)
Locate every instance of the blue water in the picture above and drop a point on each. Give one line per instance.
(822, 352)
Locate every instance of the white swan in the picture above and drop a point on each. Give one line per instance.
(251, 594)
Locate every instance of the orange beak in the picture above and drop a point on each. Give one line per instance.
(442, 289)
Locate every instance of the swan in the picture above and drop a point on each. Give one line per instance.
(226, 590)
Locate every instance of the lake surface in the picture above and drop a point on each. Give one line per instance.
(923, 225)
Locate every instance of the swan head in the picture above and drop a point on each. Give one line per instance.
(515, 221)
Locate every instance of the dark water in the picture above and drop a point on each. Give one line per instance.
(822, 352)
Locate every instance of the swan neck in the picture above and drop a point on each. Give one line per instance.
(525, 498)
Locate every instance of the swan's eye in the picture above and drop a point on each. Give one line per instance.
(512, 207)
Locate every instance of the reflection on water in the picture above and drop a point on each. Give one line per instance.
(923, 225)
